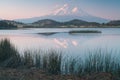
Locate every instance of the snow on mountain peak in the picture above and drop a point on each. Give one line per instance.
(75, 9)
(61, 10)
(69, 10)
(66, 13)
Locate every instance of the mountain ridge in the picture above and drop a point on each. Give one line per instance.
(48, 23)
(66, 13)
(53, 24)
(64, 19)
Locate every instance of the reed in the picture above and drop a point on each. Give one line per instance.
(9, 55)
(54, 62)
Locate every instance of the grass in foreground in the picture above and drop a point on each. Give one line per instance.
(53, 62)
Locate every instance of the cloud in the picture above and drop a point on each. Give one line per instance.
(75, 9)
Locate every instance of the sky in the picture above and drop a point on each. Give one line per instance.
(17, 9)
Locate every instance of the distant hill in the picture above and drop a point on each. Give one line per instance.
(6, 25)
(77, 22)
(48, 23)
(114, 23)
(15, 23)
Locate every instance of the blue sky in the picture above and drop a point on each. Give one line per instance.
(14, 9)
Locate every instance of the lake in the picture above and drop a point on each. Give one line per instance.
(77, 44)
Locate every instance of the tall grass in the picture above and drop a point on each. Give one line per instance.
(9, 56)
(54, 62)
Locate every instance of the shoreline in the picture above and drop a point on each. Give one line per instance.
(37, 74)
(22, 28)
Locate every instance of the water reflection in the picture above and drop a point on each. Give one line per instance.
(62, 43)
(76, 44)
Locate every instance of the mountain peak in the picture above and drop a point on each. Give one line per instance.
(69, 10)
(67, 13)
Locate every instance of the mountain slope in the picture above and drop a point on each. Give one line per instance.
(114, 23)
(66, 13)
(48, 23)
(77, 22)
(6, 25)
(11, 23)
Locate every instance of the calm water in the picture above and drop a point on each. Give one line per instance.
(71, 44)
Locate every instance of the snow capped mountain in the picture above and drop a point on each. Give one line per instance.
(66, 13)
(67, 10)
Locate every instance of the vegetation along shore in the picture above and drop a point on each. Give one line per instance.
(53, 65)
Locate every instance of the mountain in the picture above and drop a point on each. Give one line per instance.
(77, 22)
(11, 24)
(48, 23)
(6, 25)
(114, 23)
(66, 13)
